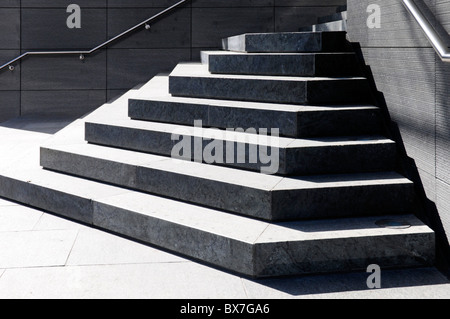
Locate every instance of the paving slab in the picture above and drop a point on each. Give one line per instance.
(35, 248)
(18, 218)
(110, 249)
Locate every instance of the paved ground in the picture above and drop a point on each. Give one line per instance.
(44, 256)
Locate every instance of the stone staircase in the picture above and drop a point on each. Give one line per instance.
(334, 202)
(333, 22)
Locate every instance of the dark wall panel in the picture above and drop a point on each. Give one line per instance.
(64, 73)
(9, 104)
(71, 103)
(174, 31)
(145, 63)
(36, 25)
(10, 28)
(9, 80)
(210, 25)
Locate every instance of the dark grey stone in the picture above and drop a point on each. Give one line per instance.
(46, 198)
(212, 248)
(287, 42)
(342, 201)
(288, 203)
(282, 64)
(346, 253)
(290, 91)
(292, 121)
(328, 156)
(339, 123)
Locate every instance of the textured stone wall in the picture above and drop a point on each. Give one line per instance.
(415, 86)
(65, 85)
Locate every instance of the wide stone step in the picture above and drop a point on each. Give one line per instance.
(154, 103)
(194, 80)
(287, 42)
(284, 64)
(249, 247)
(252, 194)
(263, 152)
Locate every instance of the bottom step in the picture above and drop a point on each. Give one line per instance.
(239, 244)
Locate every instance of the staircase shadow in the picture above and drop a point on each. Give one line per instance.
(39, 123)
(350, 284)
(425, 209)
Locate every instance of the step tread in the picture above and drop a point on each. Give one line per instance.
(283, 54)
(158, 90)
(210, 220)
(282, 142)
(199, 70)
(285, 42)
(230, 175)
(255, 231)
(28, 171)
(117, 116)
(235, 242)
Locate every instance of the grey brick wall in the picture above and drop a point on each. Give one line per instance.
(66, 86)
(415, 86)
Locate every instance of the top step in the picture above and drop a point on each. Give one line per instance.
(333, 17)
(287, 42)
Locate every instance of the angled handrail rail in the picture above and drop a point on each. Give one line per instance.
(82, 53)
(438, 44)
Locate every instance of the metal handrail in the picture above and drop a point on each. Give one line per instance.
(438, 44)
(87, 52)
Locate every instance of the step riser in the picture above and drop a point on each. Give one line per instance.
(272, 91)
(291, 124)
(61, 203)
(287, 42)
(277, 259)
(344, 201)
(330, 26)
(329, 255)
(284, 65)
(283, 161)
(258, 203)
